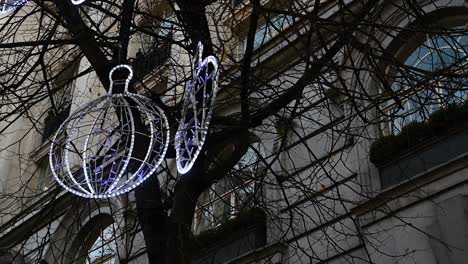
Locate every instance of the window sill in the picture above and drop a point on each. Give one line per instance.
(272, 253)
(231, 240)
(423, 158)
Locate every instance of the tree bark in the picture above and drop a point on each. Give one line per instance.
(152, 217)
(85, 39)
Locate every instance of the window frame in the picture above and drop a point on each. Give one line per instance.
(271, 31)
(211, 201)
(403, 46)
(449, 17)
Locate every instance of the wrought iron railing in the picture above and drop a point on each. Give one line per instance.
(53, 121)
(144, 63)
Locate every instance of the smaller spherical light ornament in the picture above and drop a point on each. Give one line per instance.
(111, 144)
(9, 6)
(199, 98)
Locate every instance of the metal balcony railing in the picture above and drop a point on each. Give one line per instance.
(144, 63)
(53, 121)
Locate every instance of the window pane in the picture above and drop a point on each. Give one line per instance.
(433, 76)
(45, 179)
(270, 30)
(104, 248)
(236, 2)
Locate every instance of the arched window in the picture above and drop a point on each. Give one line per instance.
(103, 251)
(95, 242)
(432, 76)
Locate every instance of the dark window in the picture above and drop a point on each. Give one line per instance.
(155, 45)
(62, 98)
(147, 61)
(234, 193)
(271, 29)
(237, 2)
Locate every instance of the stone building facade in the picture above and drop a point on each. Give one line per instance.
(321, 199)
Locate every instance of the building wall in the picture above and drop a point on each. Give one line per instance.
(419, 221)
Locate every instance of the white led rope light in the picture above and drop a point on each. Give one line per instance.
(196, 115)
(9, 6)
(97, 159)
(132, 123)
(77, 2)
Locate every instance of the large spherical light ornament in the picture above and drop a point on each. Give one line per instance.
(9, 6)
(110, 145)
(199, 98)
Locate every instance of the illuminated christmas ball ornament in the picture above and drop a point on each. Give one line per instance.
(199, 98)
(110, 145)
(9, 6)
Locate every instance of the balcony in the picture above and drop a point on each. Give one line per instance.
(144, 63)
(53, 121)
(235, 237)
(424, 158)
(422, 146)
